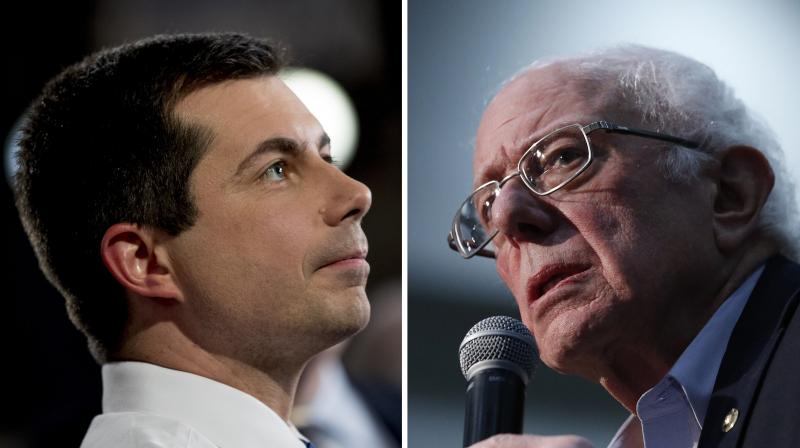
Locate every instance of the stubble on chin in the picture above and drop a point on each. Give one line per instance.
(345, 315)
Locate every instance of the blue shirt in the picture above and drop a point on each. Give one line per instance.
(671, 414)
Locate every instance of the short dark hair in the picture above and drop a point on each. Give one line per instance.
(102, 145)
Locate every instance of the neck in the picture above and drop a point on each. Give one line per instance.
(632, 372)
(312, 374)
(634, 369)
(163, 344)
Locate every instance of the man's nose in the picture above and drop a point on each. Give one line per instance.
(521, 216)
(347, 198)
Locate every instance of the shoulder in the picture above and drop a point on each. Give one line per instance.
(775, 411)
(138, 430)
(756, 383)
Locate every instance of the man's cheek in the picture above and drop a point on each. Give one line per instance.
(507, 269)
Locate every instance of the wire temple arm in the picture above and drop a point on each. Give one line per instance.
(639, 132)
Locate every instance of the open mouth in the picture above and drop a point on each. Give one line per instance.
(550, 277)
(550, 284)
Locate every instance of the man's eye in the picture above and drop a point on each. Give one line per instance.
(568, 156)
(486, 211)
(562, 158)
(329, 158)
(275, 172)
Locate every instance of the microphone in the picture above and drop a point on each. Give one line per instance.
(497, 359)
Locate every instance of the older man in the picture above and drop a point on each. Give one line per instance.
(636, 211)
(185, 203)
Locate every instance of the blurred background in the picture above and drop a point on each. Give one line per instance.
(458, 54)
(51, 384)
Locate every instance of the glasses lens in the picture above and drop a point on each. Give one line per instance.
(555, 159)
(473, 224)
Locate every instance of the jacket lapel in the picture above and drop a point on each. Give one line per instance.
(749, 351)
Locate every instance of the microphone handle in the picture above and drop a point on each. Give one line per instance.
(495, 404)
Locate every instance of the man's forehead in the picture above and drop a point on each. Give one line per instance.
(537, 96)
(242, 113)
(240, 102)
(534, 103)
(249, 119)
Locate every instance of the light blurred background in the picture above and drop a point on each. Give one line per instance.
(51, 386)
(458, 54)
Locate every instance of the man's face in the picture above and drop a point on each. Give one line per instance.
(600, 267)
(274, 266)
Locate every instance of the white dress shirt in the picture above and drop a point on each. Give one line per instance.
(146, 406)
(670, 415)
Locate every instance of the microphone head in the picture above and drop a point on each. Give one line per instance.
(498, 342)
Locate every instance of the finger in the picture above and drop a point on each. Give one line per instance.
(532, 441)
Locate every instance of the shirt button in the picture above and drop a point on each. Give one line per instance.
(730, 419)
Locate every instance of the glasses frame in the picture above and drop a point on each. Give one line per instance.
(585, 130)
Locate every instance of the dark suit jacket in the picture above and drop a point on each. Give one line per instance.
(759, 376)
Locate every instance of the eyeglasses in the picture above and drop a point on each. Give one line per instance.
(550, 163)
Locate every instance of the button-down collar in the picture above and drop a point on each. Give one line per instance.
(671, 413)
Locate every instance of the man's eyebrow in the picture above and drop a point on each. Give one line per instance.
(324, 140)
(496, 169)
(526, 142)
(278, 144)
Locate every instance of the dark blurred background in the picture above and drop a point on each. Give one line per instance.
(51, 385)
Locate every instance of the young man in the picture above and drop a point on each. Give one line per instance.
(185, 203)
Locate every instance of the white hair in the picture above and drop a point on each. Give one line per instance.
(680, 96)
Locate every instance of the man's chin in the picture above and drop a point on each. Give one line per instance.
(566, 353)
(360, 315)
(349, 318)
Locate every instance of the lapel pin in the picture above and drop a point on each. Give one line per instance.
(730, 419)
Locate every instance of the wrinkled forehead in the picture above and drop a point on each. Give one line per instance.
(528, 107)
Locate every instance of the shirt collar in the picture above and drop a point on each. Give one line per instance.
(225, 415)
(696, 369)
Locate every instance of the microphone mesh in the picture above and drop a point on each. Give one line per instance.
(492, 343)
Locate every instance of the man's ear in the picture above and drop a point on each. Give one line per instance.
(744, 182)
(132, 255)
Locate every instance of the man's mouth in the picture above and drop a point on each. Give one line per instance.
(551, 276)
(551, 283)
(355, 257)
